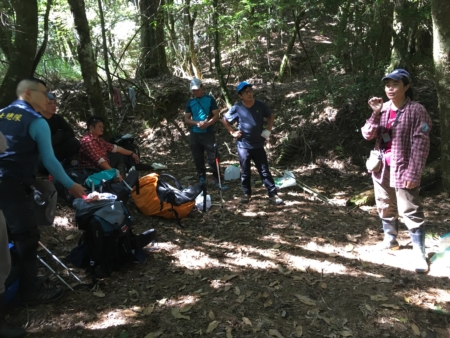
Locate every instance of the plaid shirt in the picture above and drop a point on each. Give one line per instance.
(93, 150)
(410, 141)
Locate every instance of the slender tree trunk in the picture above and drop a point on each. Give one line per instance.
(108, 74)
(217, 56)
(193, 55)
(401, 25)
(87, 61)
(43, 47)
(290, 46)
(153, 57)
(440, 10)
(23, 49)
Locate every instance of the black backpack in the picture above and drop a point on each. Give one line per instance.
(177, 196)
(108, 242)
(127, 141)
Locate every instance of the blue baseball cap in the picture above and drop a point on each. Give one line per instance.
(242, 85)
(51, 96)
(397, 75)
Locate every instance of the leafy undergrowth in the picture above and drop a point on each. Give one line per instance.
(302, 269)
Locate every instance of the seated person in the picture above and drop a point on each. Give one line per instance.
(65, 145)
(95, 152)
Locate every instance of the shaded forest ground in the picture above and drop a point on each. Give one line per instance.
(302, 269)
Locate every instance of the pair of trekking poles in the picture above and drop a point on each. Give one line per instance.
(61, 263)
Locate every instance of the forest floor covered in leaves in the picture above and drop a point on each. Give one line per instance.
(306, 268)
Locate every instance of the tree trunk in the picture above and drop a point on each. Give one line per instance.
(402, 24)
(153, 55)
(290, 46)
(22, 48)
(87, 61)
(217, 56)
(193, 55)
(440, 10)
(108, 74)
(43, 47)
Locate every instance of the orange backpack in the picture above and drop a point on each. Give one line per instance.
(149, 203)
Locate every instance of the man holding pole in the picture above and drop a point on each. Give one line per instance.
(249, 114)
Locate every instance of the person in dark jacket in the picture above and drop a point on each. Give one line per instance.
(65, 145)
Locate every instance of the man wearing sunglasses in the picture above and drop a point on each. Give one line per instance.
(249, 114)
(28, 136)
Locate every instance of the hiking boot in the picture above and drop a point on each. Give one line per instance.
(11, 332)
(43, 295)
(275, 200)
(246, 199)
(418, 257)
(389, 243)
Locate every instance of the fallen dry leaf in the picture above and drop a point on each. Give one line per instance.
(211, 315)
(346, 333)
(98, 294)
(323, 285)
(68, 238)
(298, 331)
(351, 238)
(415, 329)
(378, 297)
(162, 301)
(392, 306)
(226, 278)
(306, 300)
(176, 314)
(349, 247)
(276, 246)
(229, 335)
(149, 309)
(237, 291)
(186, 308)
(155, 334)
(247, 321)
(275, 333)
(212, 326)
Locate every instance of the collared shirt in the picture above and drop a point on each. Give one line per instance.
(410, 141)
(93, 151)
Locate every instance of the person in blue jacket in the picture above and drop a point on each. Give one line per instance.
(28, 136)
(201, 114)
(249, 114)
(5, 268)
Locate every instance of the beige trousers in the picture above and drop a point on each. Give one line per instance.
(392, 202)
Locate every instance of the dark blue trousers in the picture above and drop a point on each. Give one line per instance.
(259, 157)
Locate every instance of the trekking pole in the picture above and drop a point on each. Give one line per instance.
(62, 264)
(218, 176)
(55, 273)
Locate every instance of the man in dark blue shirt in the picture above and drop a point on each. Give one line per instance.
(249, 114)
(201, 114)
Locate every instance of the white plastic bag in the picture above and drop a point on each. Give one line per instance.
(288, 180)
(232, 173)
(199, 202)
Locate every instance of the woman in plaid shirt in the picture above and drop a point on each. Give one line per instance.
(401, 129)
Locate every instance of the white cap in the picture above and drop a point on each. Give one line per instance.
(195, 84)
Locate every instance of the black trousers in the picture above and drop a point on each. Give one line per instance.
(201, 143)
(66, 149)
(258, 156)
(15, 202)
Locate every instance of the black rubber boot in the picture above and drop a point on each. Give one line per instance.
(5, 330)
(390, 229)
(418, 242)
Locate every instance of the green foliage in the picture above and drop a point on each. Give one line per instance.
(56, 69)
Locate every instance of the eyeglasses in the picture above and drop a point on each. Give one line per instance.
(41, 91)
(248, 91)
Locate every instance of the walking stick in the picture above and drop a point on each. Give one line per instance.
(57, 259)
(218, 176)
